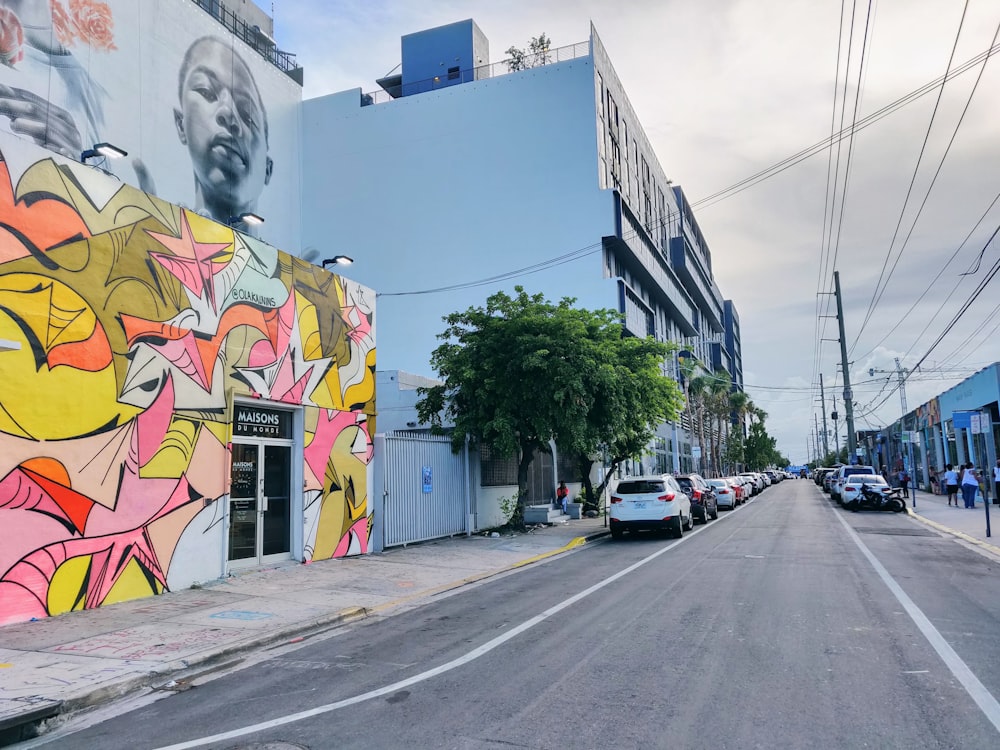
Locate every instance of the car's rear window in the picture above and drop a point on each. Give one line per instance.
(685, 484)
(867, 470)
(640, 487)
(867, 479)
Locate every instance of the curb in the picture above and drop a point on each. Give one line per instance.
(954, 532)
(25, 723)
(573, 543)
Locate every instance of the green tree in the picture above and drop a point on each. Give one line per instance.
(739, 405)
(521, 372)
(536, 54)
(761, 450)
(631, 397)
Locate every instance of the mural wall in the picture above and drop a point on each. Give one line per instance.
(207, 122)
(135, 324)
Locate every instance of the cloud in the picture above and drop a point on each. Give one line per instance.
(725, 89)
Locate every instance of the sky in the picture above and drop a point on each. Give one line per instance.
(725, 89)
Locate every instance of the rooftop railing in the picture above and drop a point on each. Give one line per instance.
(252, 35)
(481, 73)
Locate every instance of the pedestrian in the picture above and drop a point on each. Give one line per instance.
(996, 483)
(904, 482)
(970, 485)
(562, 496)
(935, 490)
(951, 484)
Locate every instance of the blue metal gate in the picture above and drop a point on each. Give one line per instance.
(423, 487)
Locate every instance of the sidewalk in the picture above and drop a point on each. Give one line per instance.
(82, 659)
(968, 525)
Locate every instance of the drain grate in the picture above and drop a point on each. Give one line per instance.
(894, 532)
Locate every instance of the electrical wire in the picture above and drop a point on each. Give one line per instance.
(934, 281)
(883, 276)
(820, 328)
(958, 315)
(819, 147)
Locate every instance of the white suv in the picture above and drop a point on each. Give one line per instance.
(652, 501)
(840, 479)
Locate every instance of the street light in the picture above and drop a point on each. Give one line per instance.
(103, 149)
(338, 260)
(246, 218)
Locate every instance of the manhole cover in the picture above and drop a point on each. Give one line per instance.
(279, 745)
(896, 532)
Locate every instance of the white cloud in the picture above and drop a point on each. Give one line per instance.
(725, 89)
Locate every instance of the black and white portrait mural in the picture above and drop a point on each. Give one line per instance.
(206, 120)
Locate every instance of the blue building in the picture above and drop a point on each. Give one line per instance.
(461, 177)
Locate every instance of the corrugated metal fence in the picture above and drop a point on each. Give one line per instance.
(424, 489)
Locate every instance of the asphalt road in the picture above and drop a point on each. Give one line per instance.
(769, 627)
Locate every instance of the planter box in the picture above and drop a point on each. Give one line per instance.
(575, 510)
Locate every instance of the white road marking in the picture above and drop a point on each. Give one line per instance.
(976, 690)
(447, 667)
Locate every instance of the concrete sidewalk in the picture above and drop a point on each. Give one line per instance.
(965, 524)
(82, 659)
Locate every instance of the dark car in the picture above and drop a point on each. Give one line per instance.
(703, 502)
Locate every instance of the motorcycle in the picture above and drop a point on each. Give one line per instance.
(879, 498)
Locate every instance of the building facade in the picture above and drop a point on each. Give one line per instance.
(959, 426)
(179, 399)
(457, 181)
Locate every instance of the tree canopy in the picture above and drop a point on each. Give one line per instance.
(521, 372)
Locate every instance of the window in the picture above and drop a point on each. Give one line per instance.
(453, 73)
(494, 469)
(566, 467)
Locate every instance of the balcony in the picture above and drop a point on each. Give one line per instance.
(254, 38)
(480, 73)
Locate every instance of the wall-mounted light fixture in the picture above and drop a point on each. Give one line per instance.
(338, 260)
(103, 149)
(246, 218)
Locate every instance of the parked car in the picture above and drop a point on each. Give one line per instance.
(654, 501)
(758, 482)
(703, 502)
(841, 477)
(742, 487)
(726, 495)
(852, 488)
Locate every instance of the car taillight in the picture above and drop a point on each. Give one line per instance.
(849, 487)
(697, 495)
(615, 499)
(667, 498)
(723, 492)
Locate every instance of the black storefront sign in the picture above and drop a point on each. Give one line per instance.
(253, 421)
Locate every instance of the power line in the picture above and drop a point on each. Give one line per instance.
(883, 276)
(864, 122)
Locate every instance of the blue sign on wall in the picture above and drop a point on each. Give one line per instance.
(427, 478)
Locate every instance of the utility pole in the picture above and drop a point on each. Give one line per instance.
(848, 395)
(822, 402)
(816, 432)
(836, 430)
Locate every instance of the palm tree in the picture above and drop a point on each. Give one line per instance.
(719, 400)
(698, 388)
(739, 406)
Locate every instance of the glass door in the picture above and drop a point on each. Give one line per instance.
(276, 529)
(243, 504)
(260, 503)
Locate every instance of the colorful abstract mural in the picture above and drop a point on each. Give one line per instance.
(135, 324)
